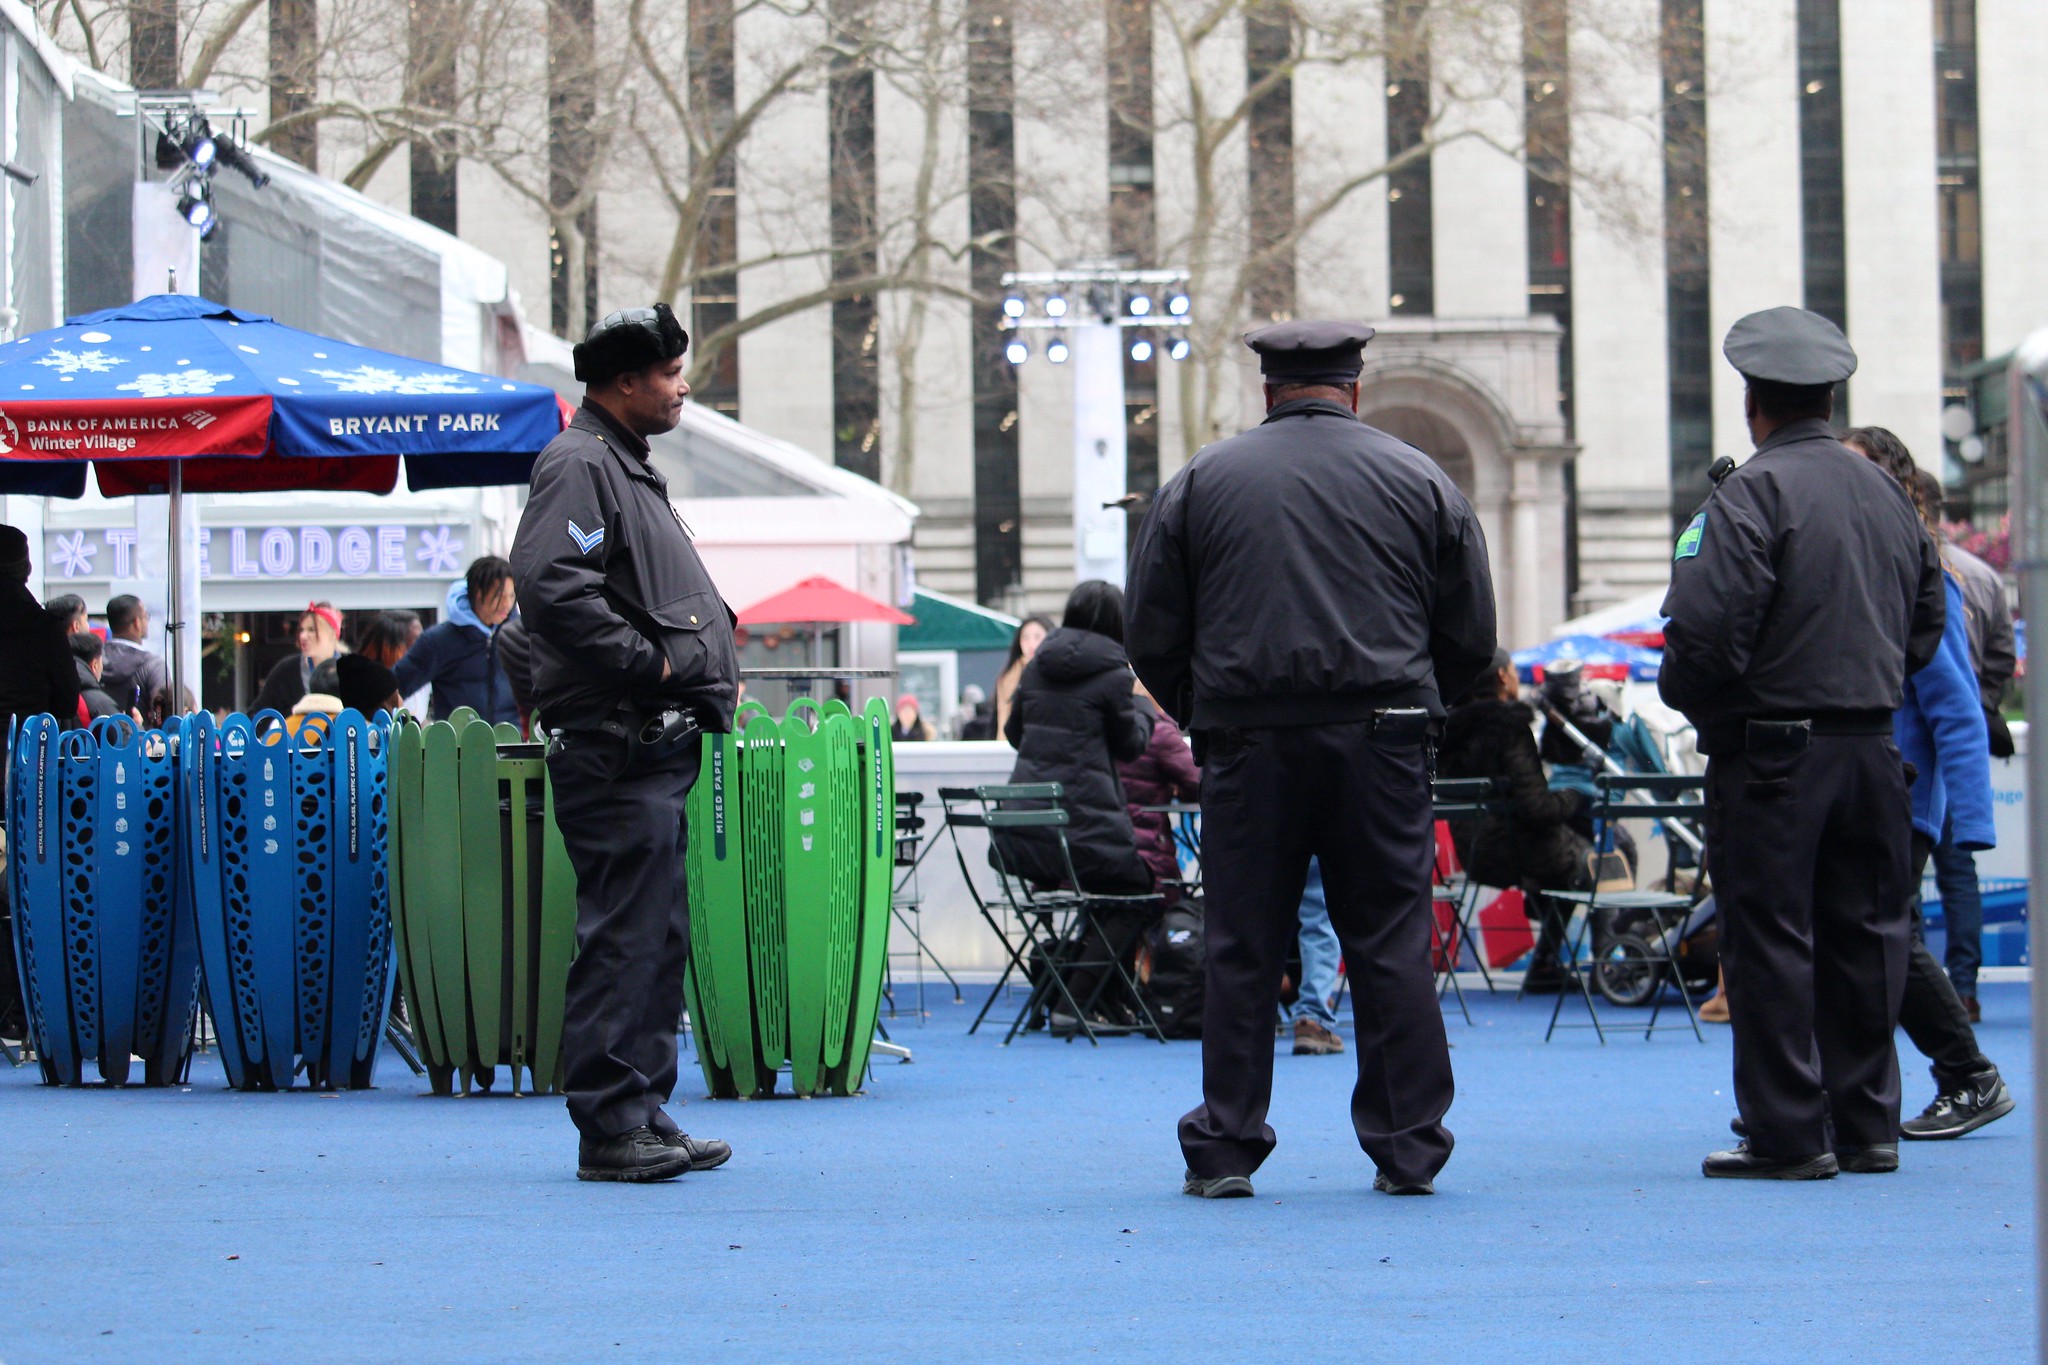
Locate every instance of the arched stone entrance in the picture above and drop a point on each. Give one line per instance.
(1504, 449)
(1430, 434)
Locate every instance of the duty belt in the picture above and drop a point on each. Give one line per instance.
(1755, 733)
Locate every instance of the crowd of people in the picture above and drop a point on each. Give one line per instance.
(476, 656)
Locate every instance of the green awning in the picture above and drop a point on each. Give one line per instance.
(949, 623)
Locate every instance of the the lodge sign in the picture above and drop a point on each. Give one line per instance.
(388, 550)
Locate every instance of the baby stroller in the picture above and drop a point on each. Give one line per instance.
(1632, 967)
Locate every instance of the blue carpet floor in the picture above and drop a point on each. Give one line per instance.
(999, 1204)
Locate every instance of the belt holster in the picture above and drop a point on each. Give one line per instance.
(1777, 736)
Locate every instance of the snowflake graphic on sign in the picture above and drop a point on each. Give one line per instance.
(73, 555)
(183, 384)
(71, 362)
(377, 379)
(439, 551)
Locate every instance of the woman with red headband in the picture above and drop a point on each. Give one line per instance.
(319, 641)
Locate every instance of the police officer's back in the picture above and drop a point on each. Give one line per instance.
(631, 641)
(1303, 598)
(1802, 594)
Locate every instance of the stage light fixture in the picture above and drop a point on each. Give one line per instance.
(1177, 348)
(1013, 306)
(1056, 306)
(1141, 350)
(1178, 304)
(241, 162)
(187, 144)
(1056, 351)
(194, 206)
(1140, 305)
(1017, 352)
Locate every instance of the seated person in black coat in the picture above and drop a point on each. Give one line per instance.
(1075, 717)
(1532, 845)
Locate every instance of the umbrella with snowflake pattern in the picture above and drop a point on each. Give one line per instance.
(244, 404)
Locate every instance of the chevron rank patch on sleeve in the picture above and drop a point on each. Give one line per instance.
(586, 541)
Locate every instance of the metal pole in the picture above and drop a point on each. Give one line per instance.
(174, 628)
(2027, 465)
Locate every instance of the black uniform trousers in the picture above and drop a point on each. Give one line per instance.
(1271, 799)
(622, 820)
(1932, 1014)
(1811, 859)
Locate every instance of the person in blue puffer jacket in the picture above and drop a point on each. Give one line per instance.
(1940, 731)
(459, 655)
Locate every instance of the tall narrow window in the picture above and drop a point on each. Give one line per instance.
(294, 79)
(432, 40)
(992, 222)
(714, 287)
(1411, 247)
(1269, 77)
(572, 159)
(856, 350)
(1823, 239)
(1133, 236)
(1546, 101)
(1689, 347)
(1955, 177)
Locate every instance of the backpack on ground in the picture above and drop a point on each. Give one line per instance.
(1170, 967)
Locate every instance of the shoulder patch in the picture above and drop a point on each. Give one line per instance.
(586, 541)
(1689, 539)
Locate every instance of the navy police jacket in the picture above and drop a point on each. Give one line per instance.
(1805, 585)
(611, 586)
(1309, 571)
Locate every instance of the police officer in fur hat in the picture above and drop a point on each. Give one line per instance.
(632, 655)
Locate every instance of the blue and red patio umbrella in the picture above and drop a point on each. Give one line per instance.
(176, 394)
(1603, 658)
(245, 404)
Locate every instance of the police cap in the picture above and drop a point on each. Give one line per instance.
(1310, 352)
(628, 340)
(1789, 346)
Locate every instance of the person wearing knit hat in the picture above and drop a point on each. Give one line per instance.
(319, 639)
(625, 627)
(910, 723)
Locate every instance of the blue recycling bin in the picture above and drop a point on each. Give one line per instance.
(284, 847)
(103, 936)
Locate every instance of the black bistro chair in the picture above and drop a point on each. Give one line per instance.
(1459, 800)
(1014, 918)
(906, 902)
(1058, 937)
(1584, 956)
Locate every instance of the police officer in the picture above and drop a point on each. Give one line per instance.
(632, 647)
(1802, 594)
(1302, 598)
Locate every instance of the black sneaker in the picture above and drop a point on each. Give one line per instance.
(1740, 1163)
(1386, 1184)
(705, 1153)
(1879, 1158)
(1957, 1112)
(1217, 1186)
(634, 1156)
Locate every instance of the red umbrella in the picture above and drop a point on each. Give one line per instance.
(818, 602)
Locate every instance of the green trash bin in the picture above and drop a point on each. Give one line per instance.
(792, 842)
(483, 900)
